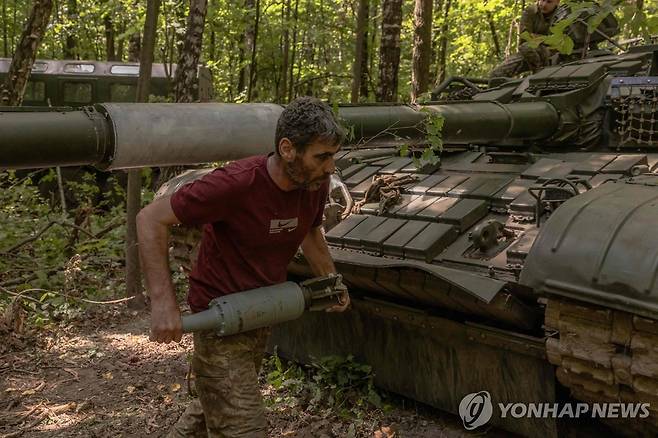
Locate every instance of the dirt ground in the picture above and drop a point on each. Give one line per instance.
(101, 377)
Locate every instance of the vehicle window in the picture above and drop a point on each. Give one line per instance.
(77, 92)
(79, 68)
(124, 70)
(39, 67)
(123, 93)
(35, 91)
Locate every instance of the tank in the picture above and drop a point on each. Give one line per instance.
(522, 264)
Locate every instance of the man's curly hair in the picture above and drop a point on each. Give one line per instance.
(306, 120)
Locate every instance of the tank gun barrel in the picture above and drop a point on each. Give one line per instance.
(128, 135)
(469, 122)
(37, 137)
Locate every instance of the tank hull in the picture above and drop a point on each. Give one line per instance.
(489, 307)
(434, 360)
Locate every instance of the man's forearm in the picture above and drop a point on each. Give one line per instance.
(153, 250)
(317, 253)
(153, 234)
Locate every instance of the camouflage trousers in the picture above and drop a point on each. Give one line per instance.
(527, 59)
(229, 402)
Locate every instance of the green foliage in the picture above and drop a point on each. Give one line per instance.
(589, 13)
(431, 155)
(332, 383)
(320, 36)
(63, 264)
(471, 48)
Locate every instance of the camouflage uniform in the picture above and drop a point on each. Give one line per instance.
(527, 58)
(226, 372)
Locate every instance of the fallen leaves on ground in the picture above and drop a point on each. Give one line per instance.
(100, 376)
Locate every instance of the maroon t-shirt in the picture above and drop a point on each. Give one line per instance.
(251, 228)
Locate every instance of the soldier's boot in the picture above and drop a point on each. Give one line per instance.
(192, 424)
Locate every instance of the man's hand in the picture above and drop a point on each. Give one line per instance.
(343, 301)
(165, 322)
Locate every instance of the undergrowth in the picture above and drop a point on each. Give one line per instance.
(52, 260)
(332, 385)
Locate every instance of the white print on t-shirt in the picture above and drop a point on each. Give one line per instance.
(278, 225)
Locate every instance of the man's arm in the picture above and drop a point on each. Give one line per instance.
(153, 234)
(527, 22)
(319, 259)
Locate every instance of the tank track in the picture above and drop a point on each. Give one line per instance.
(605, 355)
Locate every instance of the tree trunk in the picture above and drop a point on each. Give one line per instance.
(5, 42)
(326, 57)
(291, 77)
(70, 45)
(389, 51)
(510, 32)
(360, 50)
(494, 35)
(517, 25)
(309, 55)
(13, 26)
(371, 52)
(110, 50)
(365, 71)
(134, 47)
(443, 45)
(302, 57)
(133, 192)
(120, 44)
(253, 71)
(244, 71)
(285, 53)
(245, 45)
(213, 44)
(422, 48)
(231, 70)
(186, 80)
(25, 54)
(181, 17)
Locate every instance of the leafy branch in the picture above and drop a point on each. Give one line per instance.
(590, 13)
(433, 129)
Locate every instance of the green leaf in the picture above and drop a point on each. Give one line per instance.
(533, 40)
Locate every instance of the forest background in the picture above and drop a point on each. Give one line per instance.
(274, 50)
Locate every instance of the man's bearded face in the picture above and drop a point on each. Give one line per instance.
(547, 6)
(304, 177)
(313, 167)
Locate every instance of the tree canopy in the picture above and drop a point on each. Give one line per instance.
(273, 50)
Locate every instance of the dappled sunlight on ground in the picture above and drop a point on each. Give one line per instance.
(96, 381)
(100, 376)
